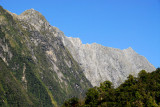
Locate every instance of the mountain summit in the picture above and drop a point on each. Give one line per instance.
(32, 14)
(35, 18)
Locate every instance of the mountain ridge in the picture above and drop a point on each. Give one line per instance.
(83, 53)
(74, 45)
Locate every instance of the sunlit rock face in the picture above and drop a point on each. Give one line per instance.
(102, 63)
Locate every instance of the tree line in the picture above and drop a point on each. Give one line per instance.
(140, 91)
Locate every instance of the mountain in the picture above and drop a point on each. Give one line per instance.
(38, 61)
(40, 66)
(101, 63)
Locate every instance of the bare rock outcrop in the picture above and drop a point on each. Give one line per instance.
(102, 63)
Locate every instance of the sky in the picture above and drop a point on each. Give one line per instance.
(112, 23)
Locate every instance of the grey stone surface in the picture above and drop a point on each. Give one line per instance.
(102, 63)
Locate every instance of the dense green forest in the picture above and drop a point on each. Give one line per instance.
(141, 91)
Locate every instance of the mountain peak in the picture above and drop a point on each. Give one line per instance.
(130, 48)
(31, 13)
(35, 18)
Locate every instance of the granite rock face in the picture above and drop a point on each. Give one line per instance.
(102, 63)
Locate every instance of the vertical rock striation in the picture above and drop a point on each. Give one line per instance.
(102, 63)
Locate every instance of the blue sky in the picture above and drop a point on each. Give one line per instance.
(113, 23)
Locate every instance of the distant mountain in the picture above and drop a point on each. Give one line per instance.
(46, 67)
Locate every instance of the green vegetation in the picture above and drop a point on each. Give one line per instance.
(141, 91)
(11, 91)
(14, 92)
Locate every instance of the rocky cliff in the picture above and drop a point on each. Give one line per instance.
(102, 63)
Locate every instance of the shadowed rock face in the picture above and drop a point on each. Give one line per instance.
(102, 63)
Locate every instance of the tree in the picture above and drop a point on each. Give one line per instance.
(142, 75)
(92, 97)
(73, 102)
(106, 85)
